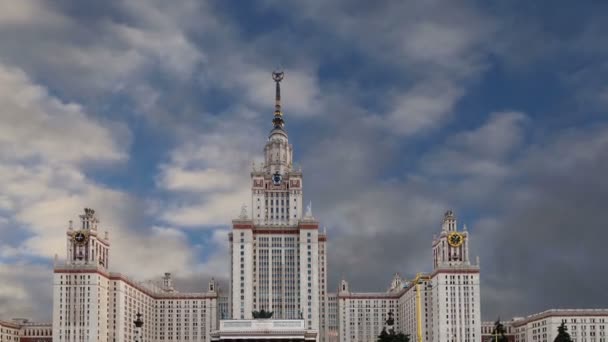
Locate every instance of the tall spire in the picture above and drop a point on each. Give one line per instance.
(277, 121)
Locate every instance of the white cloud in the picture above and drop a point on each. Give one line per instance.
(427, 105)
(217, 264)
(480, 152)
(170, 49)
(168, 249)
(496, 138)
(179, 179)
(29, 12)
(300, 91)
(26, 291)
(212, 168)
(37, 125)
(45, 146)
(98, 54)
(218, 209)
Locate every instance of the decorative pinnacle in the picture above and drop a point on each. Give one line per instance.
(277, 76)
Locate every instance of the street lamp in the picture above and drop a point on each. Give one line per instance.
(138, 324)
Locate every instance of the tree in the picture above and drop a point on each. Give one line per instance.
(562, 334)
(498, 334)
(401, 337)
(392, 336)
(383, 336)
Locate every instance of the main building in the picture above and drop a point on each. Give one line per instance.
(277, 254)
(278, 265)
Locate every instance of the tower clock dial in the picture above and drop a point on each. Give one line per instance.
(80, 237)
(277, 178)
(455, 239)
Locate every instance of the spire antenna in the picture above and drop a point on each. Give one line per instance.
(277, 121)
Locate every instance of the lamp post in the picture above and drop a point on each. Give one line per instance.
(138, 324)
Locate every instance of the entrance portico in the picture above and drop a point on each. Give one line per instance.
(270, 330)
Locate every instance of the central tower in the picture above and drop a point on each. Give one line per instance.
(278, 256)
(276, 185)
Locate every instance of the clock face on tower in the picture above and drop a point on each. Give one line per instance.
(455, 239)
(277, 178)
(80, 237)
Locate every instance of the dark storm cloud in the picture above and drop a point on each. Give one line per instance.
(549, 240)
(535, 214)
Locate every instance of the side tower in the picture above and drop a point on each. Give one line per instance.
(85, 244)
(278, 260)
(81, 285)
(456, 313)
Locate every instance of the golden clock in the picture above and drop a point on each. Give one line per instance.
(455, 239)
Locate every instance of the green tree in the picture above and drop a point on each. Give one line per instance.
(498, 334)
(562, 334)
(401, 337)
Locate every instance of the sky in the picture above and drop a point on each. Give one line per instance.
(152, 112)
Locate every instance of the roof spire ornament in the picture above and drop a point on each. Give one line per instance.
(243, 215)
(277, 121)
(308, 214)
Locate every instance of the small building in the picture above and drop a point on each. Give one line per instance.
(22, 330)
(487, 330)
(276, 330)
(584, 325)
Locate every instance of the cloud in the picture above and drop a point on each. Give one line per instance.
(171, 49)
(26, 288)
(300, 93)
(37, 125)
(25, 13)
(44, 144)
(200, 194)
(529, 198)
(547, 223)
(95, 52)
(435, 55)
(483, 151)
(425, 106)
(46, 147)
(216, 209)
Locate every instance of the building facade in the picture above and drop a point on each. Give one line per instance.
(333, 322)
(278, 264)
(9, 331)
(455, 286)
(278, 254)
(22, 330)
(292, 330)
(584, 325)
(488, 334)
(90, 303)
(443, 305)
(362, 315)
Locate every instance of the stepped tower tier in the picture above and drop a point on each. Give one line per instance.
(451, 247)
(85, 244)
(455, 284)
(278, 254)
(276, 186)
